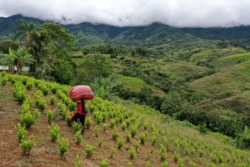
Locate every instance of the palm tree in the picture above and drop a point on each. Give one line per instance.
(34, 37)
(25, 32)
(21, 57)
(8, 61)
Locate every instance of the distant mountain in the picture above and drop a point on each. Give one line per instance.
(238, 33)
(154, 34)
(8, 25)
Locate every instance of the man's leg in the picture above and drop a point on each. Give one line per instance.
(82, 119)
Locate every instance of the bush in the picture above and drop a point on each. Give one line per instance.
(52, 100)
(243, 140)
(78, 137)
(28, 118)
(89, 150)
(21, 132)
(19, 92)
(77, 126)
(132, 153)
(104, 163)
(120, 143)
(63, 144)
(51, 116)
(27, 145)
(54, 130)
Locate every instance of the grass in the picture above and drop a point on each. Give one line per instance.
(230, 80)
(184, 144)
(227, 91)
(233, 60)
(136, 84)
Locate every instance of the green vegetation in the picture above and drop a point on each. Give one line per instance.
(156, 137)
(27, 145)
(204, 83)
(54, 131)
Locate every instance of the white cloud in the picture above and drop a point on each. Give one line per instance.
(203, 13)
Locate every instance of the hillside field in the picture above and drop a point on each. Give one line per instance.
(120, 133)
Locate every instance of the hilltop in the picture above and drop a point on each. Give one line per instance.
(150, 35)
(121, 133)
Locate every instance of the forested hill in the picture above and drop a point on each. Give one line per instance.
(239, 33)
(154, 34)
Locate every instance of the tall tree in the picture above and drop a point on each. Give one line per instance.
(25, 32)
(61, 43)
(95, 66)
(49, 44)
(32, 36)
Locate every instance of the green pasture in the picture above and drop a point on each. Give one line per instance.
(136, 84)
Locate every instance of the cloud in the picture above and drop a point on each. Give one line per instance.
(180, 13)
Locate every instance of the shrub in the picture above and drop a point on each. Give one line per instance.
(27, 145)
(63, 144)
(51, 116)
(88, 122)
(52, 100)
(143, 137)
(100, 140)
(105, 126)
(43, 87)
(243, 140)
(132, 153)
(39, 100)
(120, 143)
(124, 125)
(163, 152)
(113, 150)
(27, 119)
(133, 131)
(78, 137)
(89, 150)
(54, 130)
(112, 123)
(202, 128)
(115, 134)
(104, 163)
(77, 161)
(21, 132)
(77, 126)
(29, 85)
(153, 140)
(164, 164)
(128, 137)
(19, 92)
(4, 81)
(97, 129)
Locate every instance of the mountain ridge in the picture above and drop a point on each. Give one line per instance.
(153, 34)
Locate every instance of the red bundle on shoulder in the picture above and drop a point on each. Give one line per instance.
(81, 91)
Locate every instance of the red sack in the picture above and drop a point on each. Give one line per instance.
(81, 91)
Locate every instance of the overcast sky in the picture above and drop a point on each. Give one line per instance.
(180, 13)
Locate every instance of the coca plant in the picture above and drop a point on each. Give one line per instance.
(21, 132)
(78, 137)
(63, 144)
(19, 92)
(28, 118)
(40, 100)
(54, 130)
(27, 144)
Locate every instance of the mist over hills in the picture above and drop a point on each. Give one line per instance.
(154, 34)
